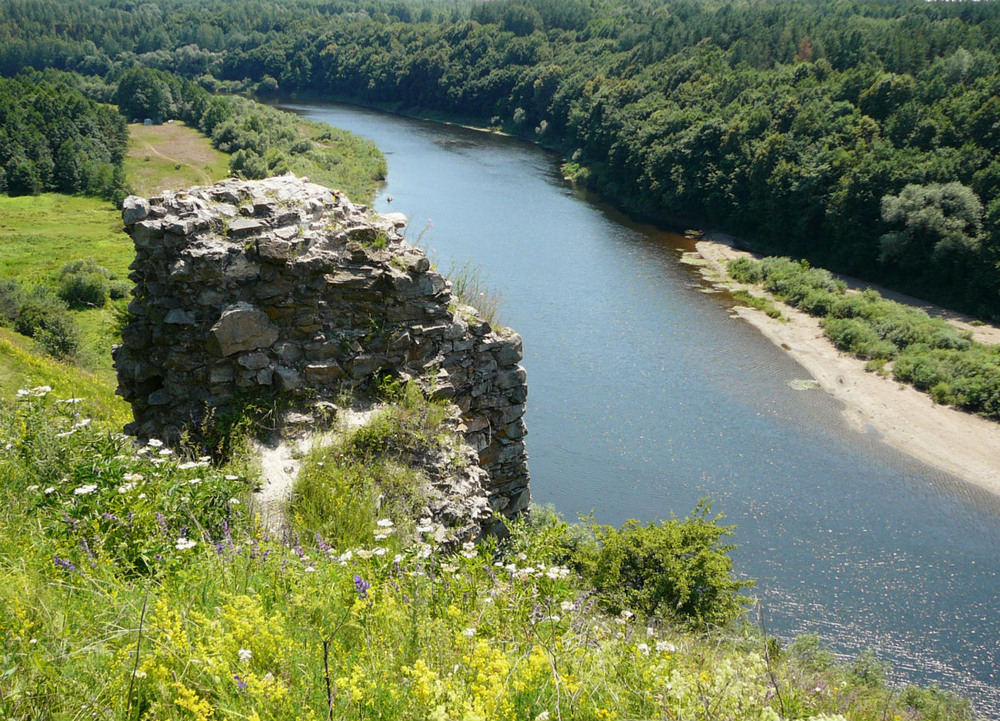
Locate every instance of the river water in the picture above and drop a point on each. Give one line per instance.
(646, 394)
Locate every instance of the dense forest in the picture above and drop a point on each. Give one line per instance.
(859, 135)
(52, 138)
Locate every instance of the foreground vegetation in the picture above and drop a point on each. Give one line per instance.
(928, 353)
(138, 584)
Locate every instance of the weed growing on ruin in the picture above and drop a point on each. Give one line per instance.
(469, 286)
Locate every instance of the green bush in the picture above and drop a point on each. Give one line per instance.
(746, 270)
(43, 316)
(855, 336)
(673, 569)
(84, 284)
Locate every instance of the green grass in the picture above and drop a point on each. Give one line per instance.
(24, 365)
(38, 234)
(758, 302)
(141, 586)
(170, 157)
(341, 160)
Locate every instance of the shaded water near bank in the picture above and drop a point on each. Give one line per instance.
(646, 394)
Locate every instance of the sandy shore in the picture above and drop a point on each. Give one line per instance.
(962, 444)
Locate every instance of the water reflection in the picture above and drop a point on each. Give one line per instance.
(646, 395)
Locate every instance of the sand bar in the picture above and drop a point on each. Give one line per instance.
(960, 443)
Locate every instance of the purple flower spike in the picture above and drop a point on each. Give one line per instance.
(361, 586)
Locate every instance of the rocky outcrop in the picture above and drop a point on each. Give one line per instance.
(283, 285)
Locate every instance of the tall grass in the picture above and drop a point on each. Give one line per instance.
(469, 286)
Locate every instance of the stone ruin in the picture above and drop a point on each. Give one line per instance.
(284, 285)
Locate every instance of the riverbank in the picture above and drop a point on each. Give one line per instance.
(959, 443)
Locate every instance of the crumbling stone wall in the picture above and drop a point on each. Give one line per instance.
(282, 284)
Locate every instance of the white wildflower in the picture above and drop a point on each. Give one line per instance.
(85, 489)
(665, 647)
(184, 544)
(469, 550)
(245, 654)
(166, 452)
(66, 434)
(384, 523)
(365, 553)
(132, 477)
(82, 423)
(310, 569)
(125, 488)
(232, 478)
(50, 489)
(567, 605)
(234, 501)
(187, 465)
(154, 442)
(380, 551)
(543, 716)
(469, 632)
(142, 496)
(643, 649)
(194, 481)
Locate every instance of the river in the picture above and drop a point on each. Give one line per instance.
(646, 394)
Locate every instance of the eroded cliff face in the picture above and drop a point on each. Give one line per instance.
(285, 285)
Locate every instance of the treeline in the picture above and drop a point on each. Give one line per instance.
(52, 138)
(261, 140)
(862, 135)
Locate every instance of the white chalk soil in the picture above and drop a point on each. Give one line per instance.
(281, 460)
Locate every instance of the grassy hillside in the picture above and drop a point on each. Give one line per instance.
(171, 156)
(138, 585)
(38, 234)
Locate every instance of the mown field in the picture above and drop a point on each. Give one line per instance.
(171, 156)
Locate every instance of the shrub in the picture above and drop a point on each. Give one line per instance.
(43, 316)
(84, 284)
(855, 336)
(745, 270)
(672, 569)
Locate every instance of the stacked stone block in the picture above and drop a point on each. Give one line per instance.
(283, 284)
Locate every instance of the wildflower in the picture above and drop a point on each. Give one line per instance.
(125, 488)
(241, 685)
(184, 544)
(32, 488)
(566, 605)
(142, 496)
(232, 478)
(381, 536)
(384, 523)
(643, 649)
(132, 477)
(245, 654)
(187, 465)
(347, 556)
(82, 423)
(234, 501)
(65, 434)
(365, 553)
(361, 586)
(50, 489)
(380, 551)
(310, 569)
(449, 568)
(63, 563)
(665, 647)
(469, 632)
(543, 716)
(194, 481)
(154, 442)
(166, 452)
(86, 489)
(469, 550)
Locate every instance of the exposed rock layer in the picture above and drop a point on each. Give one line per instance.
(283, 284)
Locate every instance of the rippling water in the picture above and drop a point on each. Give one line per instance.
(646, 394)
